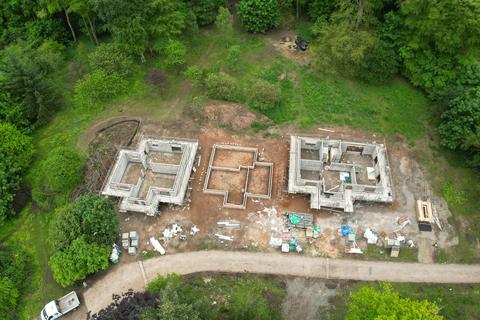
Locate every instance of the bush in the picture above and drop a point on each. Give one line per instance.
(13, 275)
(206, 10)
(263, 95)
(195, 74)
(16, 152)
(56, 177)
(259, 15)
(233, 57)
(157, 78)
(79, 260)
(110, 58)
(380, 64)
(175, 53)
(98, 88)
(222, 86)
(384, 303)
(90, 216)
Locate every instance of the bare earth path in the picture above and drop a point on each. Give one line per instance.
(136, 274)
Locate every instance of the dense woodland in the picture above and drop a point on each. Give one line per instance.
(435, 45)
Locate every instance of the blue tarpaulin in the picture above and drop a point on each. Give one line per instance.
(345, 230)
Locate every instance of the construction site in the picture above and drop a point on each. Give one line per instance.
(321, 193)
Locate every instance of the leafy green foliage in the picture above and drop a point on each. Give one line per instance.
(340, 49)
(453, 195)
(246, 297)
(90, 216)
(259, 15)
(369, 303)
(206, 10)
(98, 88)
(175, 53)
(380, 64)
(57, 176)
(170, 307)
(77, 261)
(263, 95)
(461, 120)
(19, 20)
(222, 86)
(109, 58)
(27, 81)
(13, 274)
(321, 8)
(16, 152)
(195, 74)
(441, 37)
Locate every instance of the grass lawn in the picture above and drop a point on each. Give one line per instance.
(307, 99)
(374, 252)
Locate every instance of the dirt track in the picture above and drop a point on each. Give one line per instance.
(130, 275)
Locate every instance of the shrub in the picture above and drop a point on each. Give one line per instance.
(384, 303)
(206, 10)
(98, 88)
(16, 152)
(13, 273)
(79, 260)
(259, 15)
(110, 58)
(175, 53)
(157, 78)
(233, 57)
(90, 216)
(195, 74)
(222, 86)
(263, 95)
(56, 177)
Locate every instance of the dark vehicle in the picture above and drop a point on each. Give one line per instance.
(301, 43)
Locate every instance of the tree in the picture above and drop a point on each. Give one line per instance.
(28, 80)
(168, 19)
(338, 48)
(109, 58)
(259, 15)
(206, 10)
(441, 37)
(369, 303)
(16, 153)
(127, 22)
(90, 216)
(460, 127)
(54, 6)
(380, 64)
(56, 177)
(98, 88)
(321, 8)
(78, 261)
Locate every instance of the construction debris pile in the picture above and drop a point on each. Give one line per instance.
(172, 232)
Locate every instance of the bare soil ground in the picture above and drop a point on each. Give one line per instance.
(263, 219)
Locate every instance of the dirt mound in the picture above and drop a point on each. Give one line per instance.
(233, 116)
